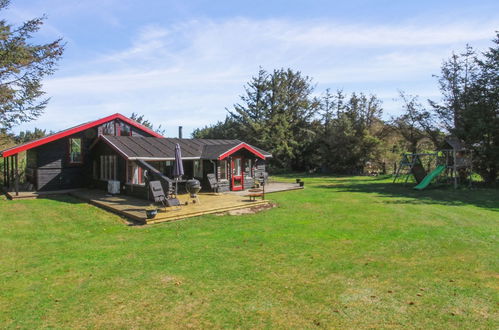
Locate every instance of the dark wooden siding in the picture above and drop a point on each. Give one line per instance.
(54, 171)
(31, 165)
(49, 167)
(60, 178)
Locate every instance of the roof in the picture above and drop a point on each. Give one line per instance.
(151, 148)
(74, 130)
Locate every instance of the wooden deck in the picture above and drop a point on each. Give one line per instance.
(135, 209)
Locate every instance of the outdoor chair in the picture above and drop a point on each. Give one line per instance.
(214, 185)
(159, 196)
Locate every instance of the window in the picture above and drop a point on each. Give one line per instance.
(124, 129)
(222, 170)
(75, 150)
(168, 168)
(135, 174)
(164, 167)
(109, 128)
(198, 168)
(248, 168)
(237, 166)
(108, 167)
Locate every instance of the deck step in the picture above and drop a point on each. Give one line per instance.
(160, 218)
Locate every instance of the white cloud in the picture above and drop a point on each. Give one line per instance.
(188, 73)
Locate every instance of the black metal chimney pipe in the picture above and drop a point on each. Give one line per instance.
(180, 132)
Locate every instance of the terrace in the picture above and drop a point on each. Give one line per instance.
(134, 209)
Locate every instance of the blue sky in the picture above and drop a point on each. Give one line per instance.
(184, 62)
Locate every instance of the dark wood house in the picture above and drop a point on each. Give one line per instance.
(116, 148)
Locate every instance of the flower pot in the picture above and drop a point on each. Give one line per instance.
(301, 183)
(150, 214)
(298, 180)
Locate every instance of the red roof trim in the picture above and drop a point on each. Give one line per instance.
(240, 146)
(74, 130)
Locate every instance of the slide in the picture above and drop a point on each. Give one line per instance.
(429, 178)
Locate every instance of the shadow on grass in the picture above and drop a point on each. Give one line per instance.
(63, 198)
(66, 198)
(331, 177)
(443, 195)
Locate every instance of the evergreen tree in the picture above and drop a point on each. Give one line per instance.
(351, 131)
(470, 106)
(143, 121)
(26, 136)
(457, 76)
(23, 65)
(276, 113)
(480, 119)
(226, 129)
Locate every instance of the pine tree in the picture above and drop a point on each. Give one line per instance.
(480, 120)
(351, 131)
(470, 107)
(23, 65)
(276, 113)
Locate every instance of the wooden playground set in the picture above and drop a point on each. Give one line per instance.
(447, 166)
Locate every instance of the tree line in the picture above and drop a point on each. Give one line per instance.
(345, 133)
(335, 132)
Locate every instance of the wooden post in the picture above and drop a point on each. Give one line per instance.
(11, 175)
(263, 189)
(7, 171)
(4, 169)
(16, 174)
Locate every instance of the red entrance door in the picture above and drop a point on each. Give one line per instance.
(237, 173)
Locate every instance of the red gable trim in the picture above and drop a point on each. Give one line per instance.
(240, 146)
(71, 131)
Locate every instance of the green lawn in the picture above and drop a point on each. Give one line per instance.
(345, 252)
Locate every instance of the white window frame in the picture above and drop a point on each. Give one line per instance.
(108, 167)
(80, 153)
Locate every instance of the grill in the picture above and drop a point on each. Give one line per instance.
(193, 186)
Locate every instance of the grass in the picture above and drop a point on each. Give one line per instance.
(350, 252)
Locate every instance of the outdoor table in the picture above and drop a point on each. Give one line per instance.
(254, 193)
